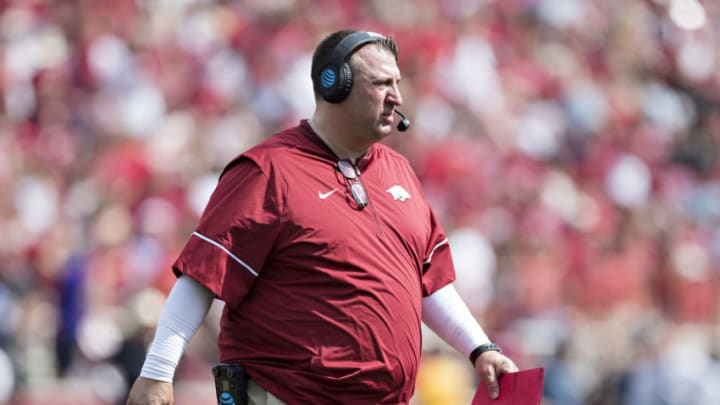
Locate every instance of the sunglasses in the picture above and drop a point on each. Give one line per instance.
(352, 177)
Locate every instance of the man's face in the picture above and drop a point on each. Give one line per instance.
(375, 92)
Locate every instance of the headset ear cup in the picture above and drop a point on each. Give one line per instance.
(343, 83)
(346, 81)
(327, 81)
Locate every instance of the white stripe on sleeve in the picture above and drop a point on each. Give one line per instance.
(432, 252)
(229, 253)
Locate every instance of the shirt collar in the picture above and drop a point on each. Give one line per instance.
(324, 149)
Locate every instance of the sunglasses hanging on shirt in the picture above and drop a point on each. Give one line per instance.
(352, 178)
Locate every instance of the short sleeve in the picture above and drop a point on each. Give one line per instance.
(236, 232)
(438, 269)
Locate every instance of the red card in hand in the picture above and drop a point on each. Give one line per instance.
(521, 388)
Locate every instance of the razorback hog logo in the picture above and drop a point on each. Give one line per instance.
(398, 193)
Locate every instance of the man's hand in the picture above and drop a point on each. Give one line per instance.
(146, 391)
(491, 365)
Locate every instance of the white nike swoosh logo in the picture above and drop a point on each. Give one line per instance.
(326, 195)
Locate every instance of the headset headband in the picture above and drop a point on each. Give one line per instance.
(350, 44)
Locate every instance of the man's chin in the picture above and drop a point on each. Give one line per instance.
(384, 131)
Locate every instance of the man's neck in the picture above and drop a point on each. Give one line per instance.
(328, 135)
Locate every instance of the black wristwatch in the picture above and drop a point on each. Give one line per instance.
(482, 349)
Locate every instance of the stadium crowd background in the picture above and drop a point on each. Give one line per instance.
(570, 148)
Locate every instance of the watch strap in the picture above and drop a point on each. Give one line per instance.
(486, 347)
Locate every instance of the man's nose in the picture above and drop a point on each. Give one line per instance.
(395, 96)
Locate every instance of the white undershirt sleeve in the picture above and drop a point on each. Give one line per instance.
(183, 313)
(447, 315)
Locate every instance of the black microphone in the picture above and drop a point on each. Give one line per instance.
(404, 123)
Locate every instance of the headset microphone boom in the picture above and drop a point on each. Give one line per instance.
(404, 123)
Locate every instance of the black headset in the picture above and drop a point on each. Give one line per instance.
(334, 79)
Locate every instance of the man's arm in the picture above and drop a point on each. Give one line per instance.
(183, 313)
(448, 316)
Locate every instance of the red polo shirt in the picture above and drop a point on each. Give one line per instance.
(323, 299)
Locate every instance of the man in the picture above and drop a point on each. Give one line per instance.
(326, 253)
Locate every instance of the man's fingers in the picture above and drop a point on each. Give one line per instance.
(508, 367)
(491, 372)
(491, 382)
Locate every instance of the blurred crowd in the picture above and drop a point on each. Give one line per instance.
(569, 147)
